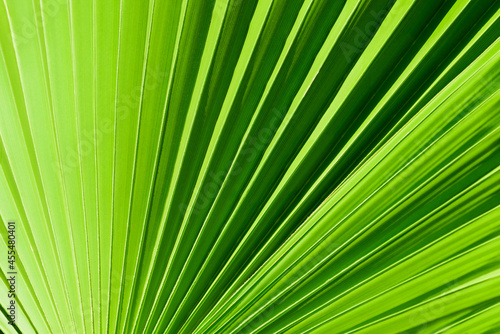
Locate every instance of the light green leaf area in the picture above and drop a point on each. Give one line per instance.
(257, 166)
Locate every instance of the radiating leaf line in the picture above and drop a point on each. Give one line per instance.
(80, 164)
(146, 52)
(165, 111)
(62, 178)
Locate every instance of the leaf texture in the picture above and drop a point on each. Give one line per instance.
(258, 166)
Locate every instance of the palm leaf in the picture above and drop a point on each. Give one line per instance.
(260, 166)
